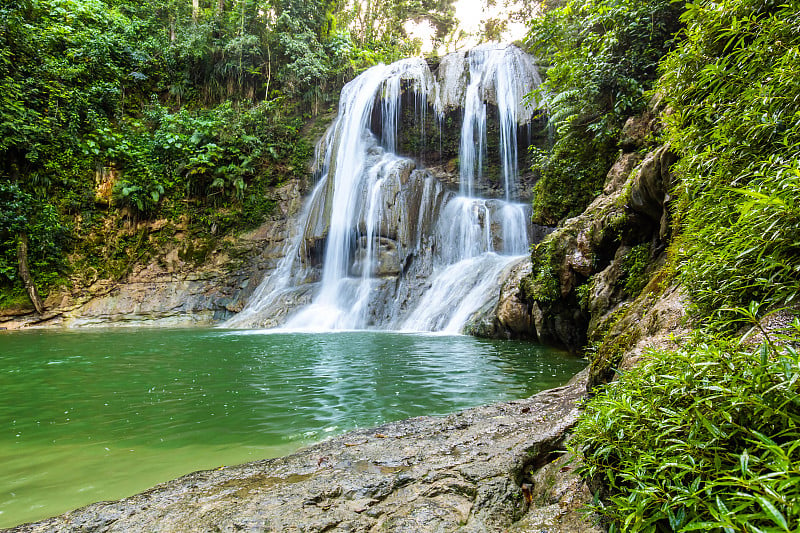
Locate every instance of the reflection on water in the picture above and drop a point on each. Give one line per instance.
(88, 416)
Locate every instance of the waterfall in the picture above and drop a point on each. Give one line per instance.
(399, 248)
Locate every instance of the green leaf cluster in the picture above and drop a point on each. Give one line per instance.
(197, 113)
(601, 57)
(734, 87)
(48, 237)
(703, 439)
(543, 285)
(223, 156)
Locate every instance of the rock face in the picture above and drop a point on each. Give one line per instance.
(184, 284)
(594, 266)
(485, 469)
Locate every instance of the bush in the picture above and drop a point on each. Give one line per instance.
(733, 85)
(703, 439)
(603, 57)
(224, 157)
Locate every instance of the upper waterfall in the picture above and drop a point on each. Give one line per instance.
(382, 242)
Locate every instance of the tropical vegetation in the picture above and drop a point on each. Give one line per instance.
(704, 438)
(114, 110)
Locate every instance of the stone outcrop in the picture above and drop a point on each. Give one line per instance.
(509, 317)
(594, 269)
(492, 468)
(187, 282)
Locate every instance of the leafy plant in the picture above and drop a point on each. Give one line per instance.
(543, 285)
(703, 439)
(733, 85)
(634, 265)
(22, 213)
(603, 57)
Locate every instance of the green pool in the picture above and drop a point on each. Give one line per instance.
(101, 414)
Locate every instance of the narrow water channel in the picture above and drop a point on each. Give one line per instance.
(101, 414)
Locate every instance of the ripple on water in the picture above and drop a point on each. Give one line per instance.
(105, 413)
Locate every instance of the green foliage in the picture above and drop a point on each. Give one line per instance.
(371, 20)
(734, 84)
(603, 57)
(634, 266)
(87, 85)
(21, 213)
(223, 157)
(63, 71)
(571, 175)
(14, 298)
(703, 439)
(543, 284)
(583, 293)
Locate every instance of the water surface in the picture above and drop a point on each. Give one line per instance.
(101, 414)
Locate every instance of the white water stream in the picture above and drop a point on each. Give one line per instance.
(401, 250)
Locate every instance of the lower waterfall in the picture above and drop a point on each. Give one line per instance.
(383, 242)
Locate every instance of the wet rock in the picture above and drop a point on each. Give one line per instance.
(509, 317)
(462, 472)
(387, 259)
(452, 76)
(649, 186)
(512, 312)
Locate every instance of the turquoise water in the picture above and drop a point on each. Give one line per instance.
(101, 414)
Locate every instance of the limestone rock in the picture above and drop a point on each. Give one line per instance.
(511, 316)
(558, 496)
(649, 186)
(452, 77)
(621, 171)
(587, 252)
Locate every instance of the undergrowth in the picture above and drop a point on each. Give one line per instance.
(734, 87)
(706, 438)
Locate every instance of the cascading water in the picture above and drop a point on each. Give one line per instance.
(402, 250)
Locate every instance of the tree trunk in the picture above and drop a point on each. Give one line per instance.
(269, 73)
(195, 10)
(220, 6)
(25, 273)
(369, 21)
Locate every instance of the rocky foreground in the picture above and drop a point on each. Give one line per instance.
(491, 468)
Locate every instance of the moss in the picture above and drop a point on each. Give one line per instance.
(611, 340)
(195, 251)
(543, 284)
(608, 353)
(14, 298)
(572, 175)
(634, 267)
